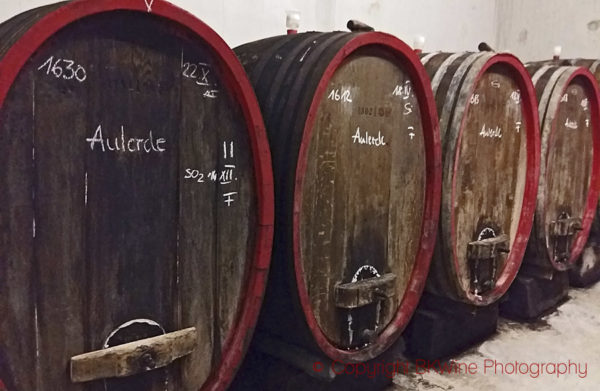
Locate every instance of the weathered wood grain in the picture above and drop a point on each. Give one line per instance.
(134, 197)
(133, 357)
(363, 202)
(17, 283)
(567, 172)
(351, 157)
(365, 292)
(484, 137)
(587, 268)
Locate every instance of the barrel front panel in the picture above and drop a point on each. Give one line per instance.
(589, 265)
(489, 170)
(363, 195)
(568, 162)
(128, 195)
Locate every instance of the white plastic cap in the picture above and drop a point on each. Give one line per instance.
(557, 51)
(292, 20)
(419, 42)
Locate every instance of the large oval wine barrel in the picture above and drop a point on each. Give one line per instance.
(569, 182)
(490, 139)
(136, 200)
(355, 146)
(586, 270)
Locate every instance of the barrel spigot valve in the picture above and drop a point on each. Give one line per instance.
(562, 232)
(363, 300)
(483, 256)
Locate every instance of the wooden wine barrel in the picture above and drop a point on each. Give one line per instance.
(489, 126)
(586, 270)
(569, 183)
(136, 200)
(355, 147)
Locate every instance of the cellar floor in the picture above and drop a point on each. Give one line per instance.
(570, 333)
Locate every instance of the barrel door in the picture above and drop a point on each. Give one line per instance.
(353, 134)
(489, 128)
(568, 192)
(136, 202)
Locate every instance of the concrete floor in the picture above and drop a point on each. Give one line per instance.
(571, 333)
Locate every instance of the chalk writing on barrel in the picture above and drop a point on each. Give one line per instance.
(63, 68)
(571, 124)
(122, 143)
(366, 139)
(337, 96)
(403, 90)
(491, 132)
(201, 73)
(223, 176)
(227, 149)
(149, 5)
(516, 96)
(228, 198)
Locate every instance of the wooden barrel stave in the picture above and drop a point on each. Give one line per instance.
(311, 56)
(267, 60)
(14, 280)
(274, 101)
(13, 29)
(281, 104)
(107, 231)
(458, 78)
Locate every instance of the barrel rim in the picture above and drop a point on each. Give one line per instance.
(570, 74)
(410, 60)
(238, 339)
(526, 218)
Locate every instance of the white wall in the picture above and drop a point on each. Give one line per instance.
(531, 28)
(528, 28)
(449, 25)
